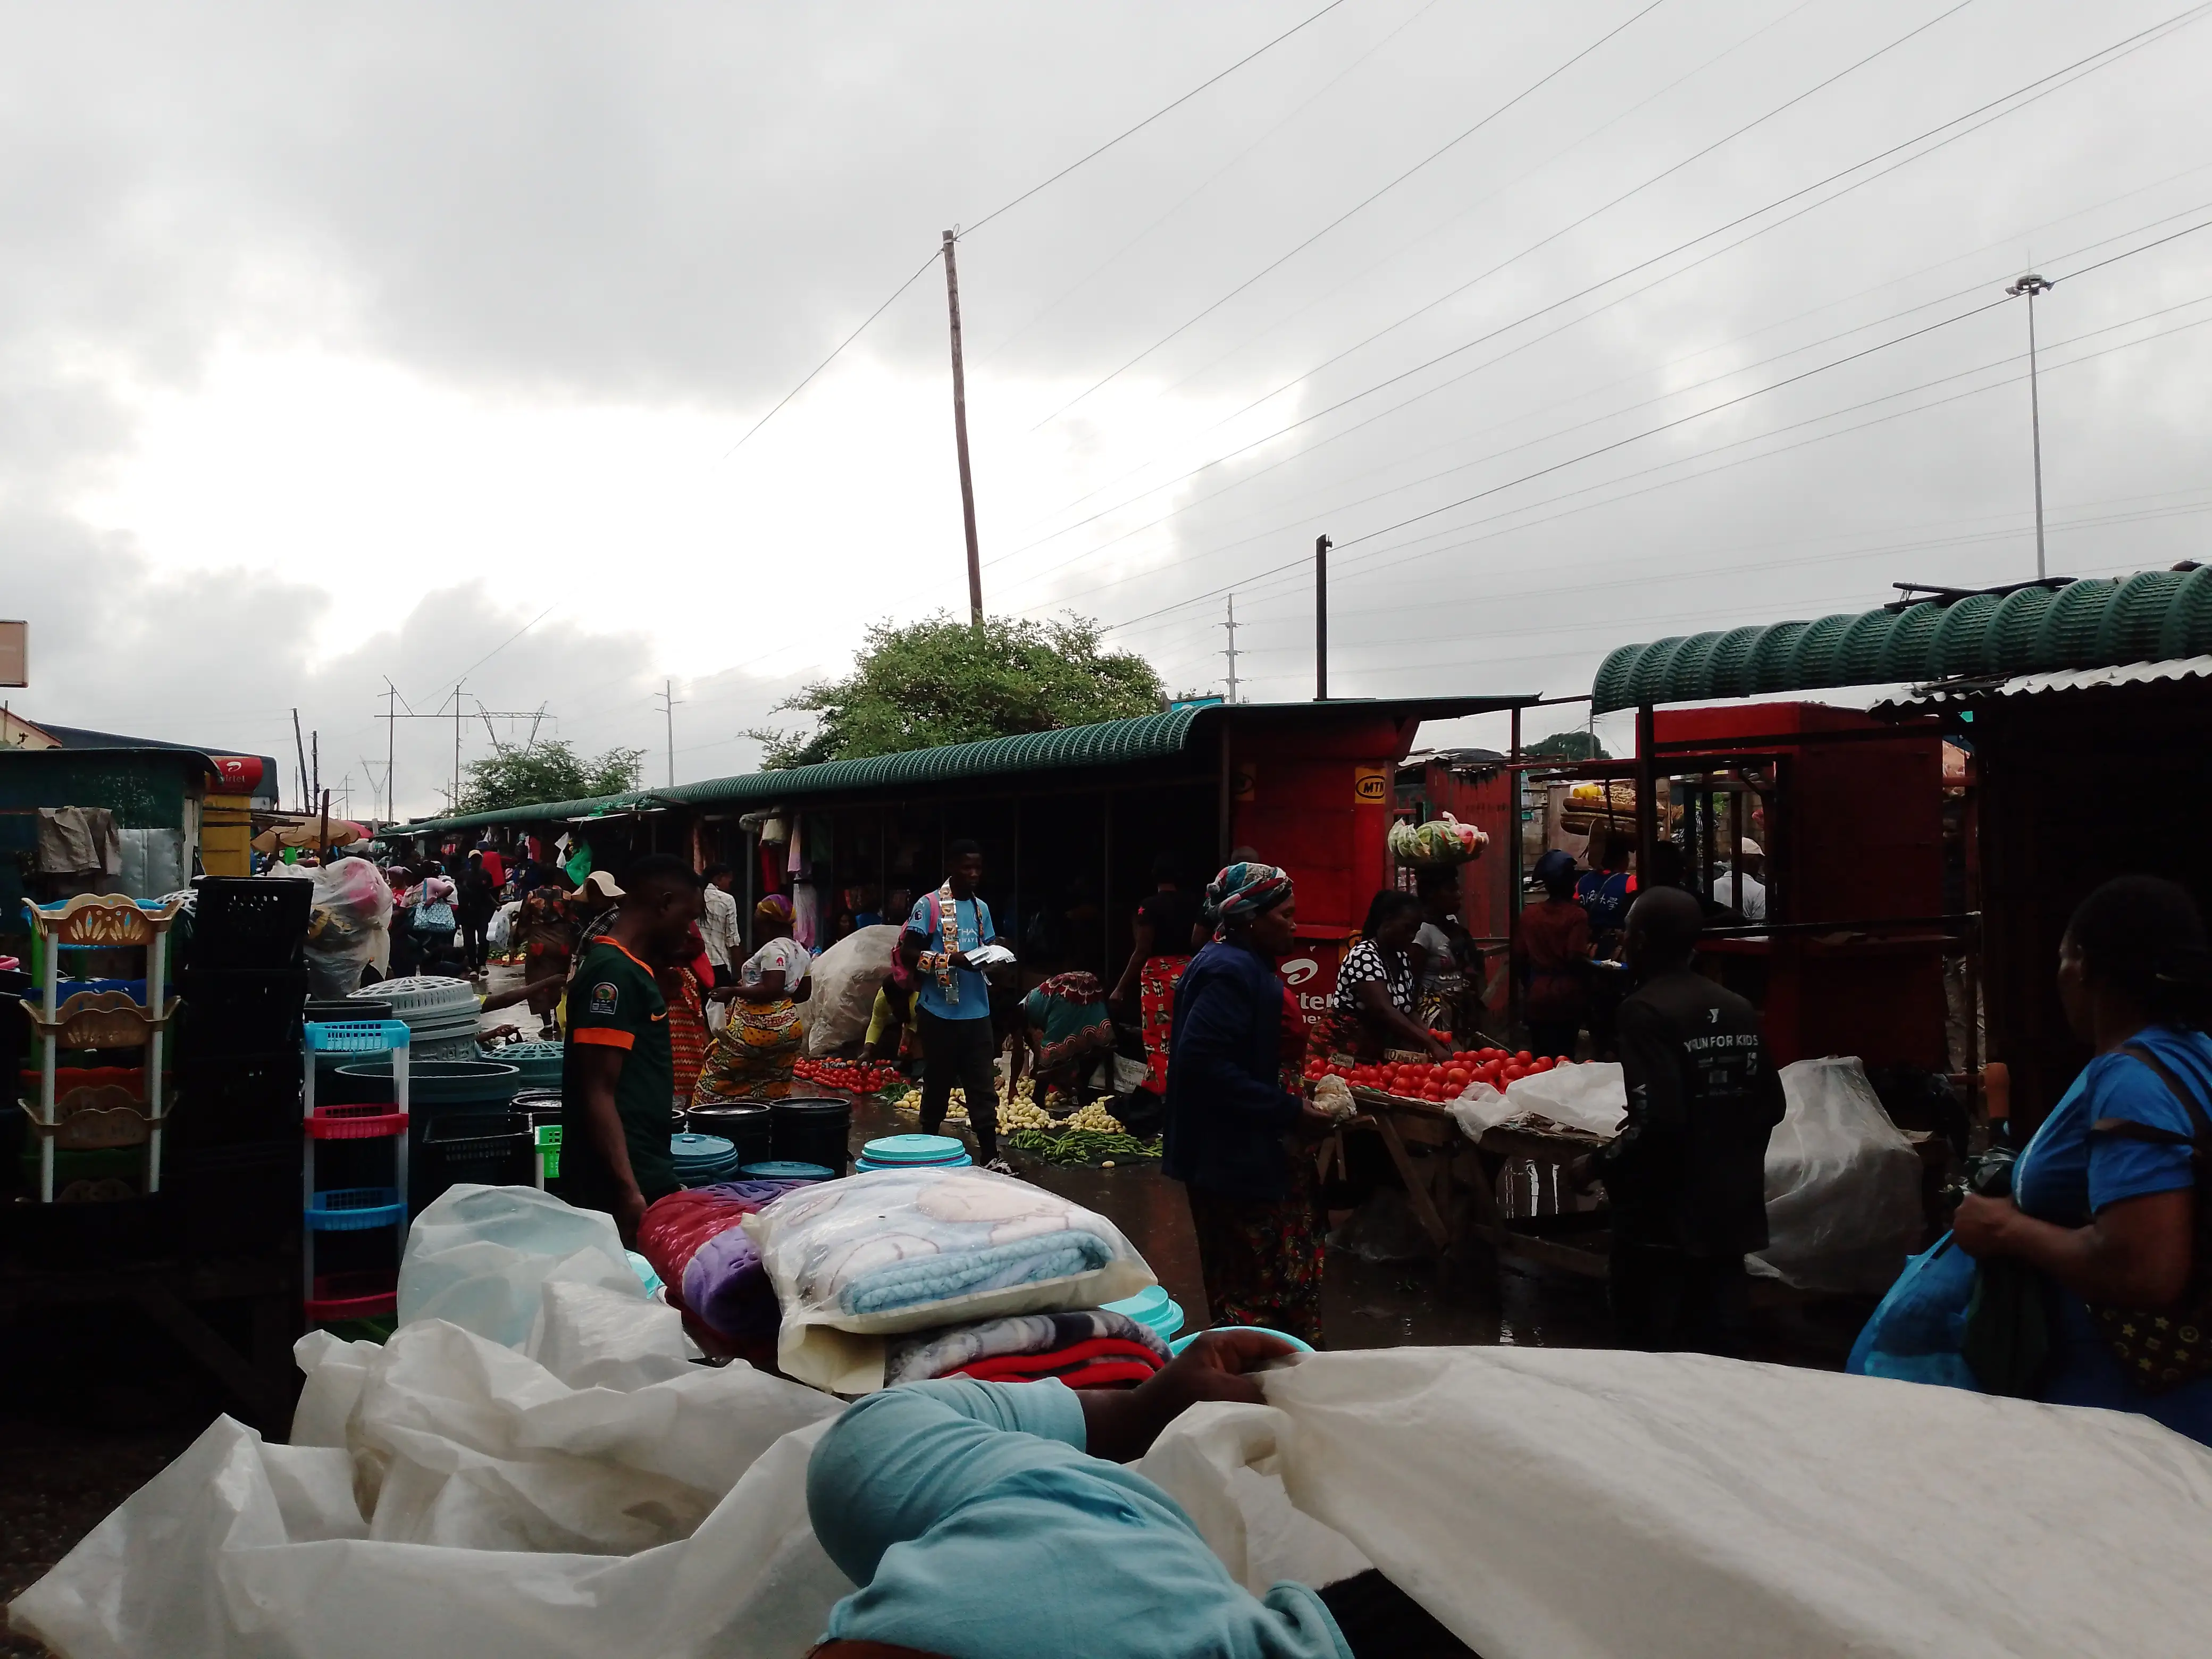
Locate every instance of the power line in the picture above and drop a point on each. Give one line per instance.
(2076, 70)
(934, 253)
(1198, 190)
(1246, 582)
(2110, 53)
(1163, 110)
(1359, 207)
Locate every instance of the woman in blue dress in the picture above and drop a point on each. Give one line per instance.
(2104, 1200)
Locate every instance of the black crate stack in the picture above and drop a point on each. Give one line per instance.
(236, 1167)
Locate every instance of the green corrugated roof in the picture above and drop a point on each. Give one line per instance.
(1109, 742)
(2101, 624)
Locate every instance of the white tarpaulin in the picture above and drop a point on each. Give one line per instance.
(589, 1492)
(1843, 1183)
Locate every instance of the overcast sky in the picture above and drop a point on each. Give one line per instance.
(418, 340)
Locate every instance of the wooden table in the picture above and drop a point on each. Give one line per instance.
(1451, 1181)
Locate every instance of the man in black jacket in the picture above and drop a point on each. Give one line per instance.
(1686, 1174)
(475, 904)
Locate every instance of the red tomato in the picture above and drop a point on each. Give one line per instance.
(1523, 1058)
(1457, 1077)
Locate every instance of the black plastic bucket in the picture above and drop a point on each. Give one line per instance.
(748, 1125)
(813, 1130)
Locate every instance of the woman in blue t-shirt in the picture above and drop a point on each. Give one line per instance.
(2107, 1218)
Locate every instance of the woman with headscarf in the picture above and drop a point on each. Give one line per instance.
(436, 923)
(754, 1055)
(1235, 1064)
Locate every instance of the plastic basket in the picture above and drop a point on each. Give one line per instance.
(355, 1209)
(368, 1294)
(235, 1199)
(363, 1120)
(491, 1149)
(355, 1036)
(229, 1011)
(249, 921)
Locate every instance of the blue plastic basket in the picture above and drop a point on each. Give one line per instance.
(355, 1209)
(355, 1036)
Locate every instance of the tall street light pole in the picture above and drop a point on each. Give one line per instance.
(2031, 285)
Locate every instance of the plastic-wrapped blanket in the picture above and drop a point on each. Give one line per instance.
(898, 1250)
(925, 1354)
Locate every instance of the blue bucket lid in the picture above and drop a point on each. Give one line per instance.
(915, 1149)
(688, 1148)
(1151, 1306)
(784, 1170)
(1297, 1343)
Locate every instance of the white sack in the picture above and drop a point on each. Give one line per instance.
(1843, 1184)
(846, 977)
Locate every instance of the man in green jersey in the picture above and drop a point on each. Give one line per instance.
(618, 1076)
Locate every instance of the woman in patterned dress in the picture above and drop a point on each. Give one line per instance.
(754, 1055)
(1372, 1008)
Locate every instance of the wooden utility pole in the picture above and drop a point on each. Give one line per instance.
(960, 436)
(1321, 619)
(300, 748)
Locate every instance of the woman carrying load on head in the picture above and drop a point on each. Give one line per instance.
(755, 1054)
(1235, 1064)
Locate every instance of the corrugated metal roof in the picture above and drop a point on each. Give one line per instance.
(2153, 615)
(2066, 679)
(1109, 742)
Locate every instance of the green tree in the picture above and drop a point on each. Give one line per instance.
(546, 771)
(1568, 746)
(942, 681)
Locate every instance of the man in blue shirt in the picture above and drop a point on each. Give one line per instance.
(995, 1521)
(953, 1015)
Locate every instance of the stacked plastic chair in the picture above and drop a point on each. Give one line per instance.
(913, 1152)
(106, 1108)
(439, 1014)
(356, 1290)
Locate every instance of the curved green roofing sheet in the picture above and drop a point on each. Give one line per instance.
(2147, 617)
(1109, 742)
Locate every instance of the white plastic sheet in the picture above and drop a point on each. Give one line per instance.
(846, 978)
(1543, 1504)
(349, 927)
(1843, 1183)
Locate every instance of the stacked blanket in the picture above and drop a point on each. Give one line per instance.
(713, 1271)
(1088, 1348)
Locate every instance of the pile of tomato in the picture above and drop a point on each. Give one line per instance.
(849, 1075)
(1437, 1080)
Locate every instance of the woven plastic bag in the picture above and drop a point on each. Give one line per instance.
(855, 1260)
(846, 978)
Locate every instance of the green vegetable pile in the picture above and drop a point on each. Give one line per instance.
(1090, 1146)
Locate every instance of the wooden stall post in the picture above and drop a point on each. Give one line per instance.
(1647, 794)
